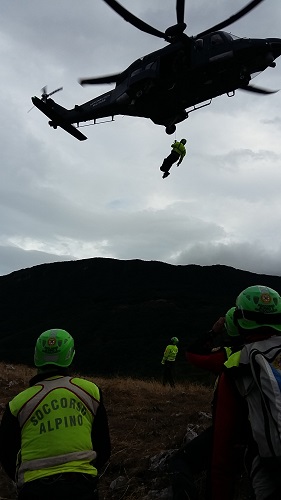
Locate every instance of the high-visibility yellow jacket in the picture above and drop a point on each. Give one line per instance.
(179, 148)
(170, 353)
(56, 417)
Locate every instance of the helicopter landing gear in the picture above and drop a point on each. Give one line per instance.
(171, 129)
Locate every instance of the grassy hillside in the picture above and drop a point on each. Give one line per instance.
(145, 419)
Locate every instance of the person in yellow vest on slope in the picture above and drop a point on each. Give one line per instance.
(177, 155)
(168, 361)
(54, 436)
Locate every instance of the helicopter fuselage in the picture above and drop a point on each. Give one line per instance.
(167, 84)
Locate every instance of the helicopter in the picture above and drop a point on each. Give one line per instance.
(169, 83)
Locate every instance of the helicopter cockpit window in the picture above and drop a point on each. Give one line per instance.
(230, 37)
(216, 39)
(199, 44)
(152, 66)
(136, 72)
(147, 72)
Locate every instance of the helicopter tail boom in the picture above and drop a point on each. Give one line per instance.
(55, 113)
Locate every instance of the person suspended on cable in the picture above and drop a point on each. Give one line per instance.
(177, 155)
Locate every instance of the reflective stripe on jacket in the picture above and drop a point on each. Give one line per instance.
(170, 353)
(179, 148)
(56, 417)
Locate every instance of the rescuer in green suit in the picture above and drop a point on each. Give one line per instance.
(54, 435)
(168, 361)
(177, 155)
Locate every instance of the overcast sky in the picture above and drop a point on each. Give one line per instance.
(62, 199)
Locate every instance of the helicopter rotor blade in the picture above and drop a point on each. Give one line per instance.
(180, 11)
(100, 80)
(54, 91)
(258, 90)
(231, 19)
(132, 19)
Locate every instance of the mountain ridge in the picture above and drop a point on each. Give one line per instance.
(120, 312)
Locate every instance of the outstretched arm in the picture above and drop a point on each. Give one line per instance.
(180, 159)
(202, 352)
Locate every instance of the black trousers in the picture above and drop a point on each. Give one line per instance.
(169, 161)
(68, 486)
(169, 373)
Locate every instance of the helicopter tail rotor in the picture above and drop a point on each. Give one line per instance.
(45, 95)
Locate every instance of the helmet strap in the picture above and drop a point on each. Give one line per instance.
(259, 318)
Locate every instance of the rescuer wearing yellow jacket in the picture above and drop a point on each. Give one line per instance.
(177, 155)
(168, 361)
(54, 436)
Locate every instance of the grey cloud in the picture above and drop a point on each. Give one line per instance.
(274, 121)
(14, 259)
(235, 157)
(248, 256)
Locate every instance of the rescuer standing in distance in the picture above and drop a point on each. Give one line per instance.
(168, 361)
